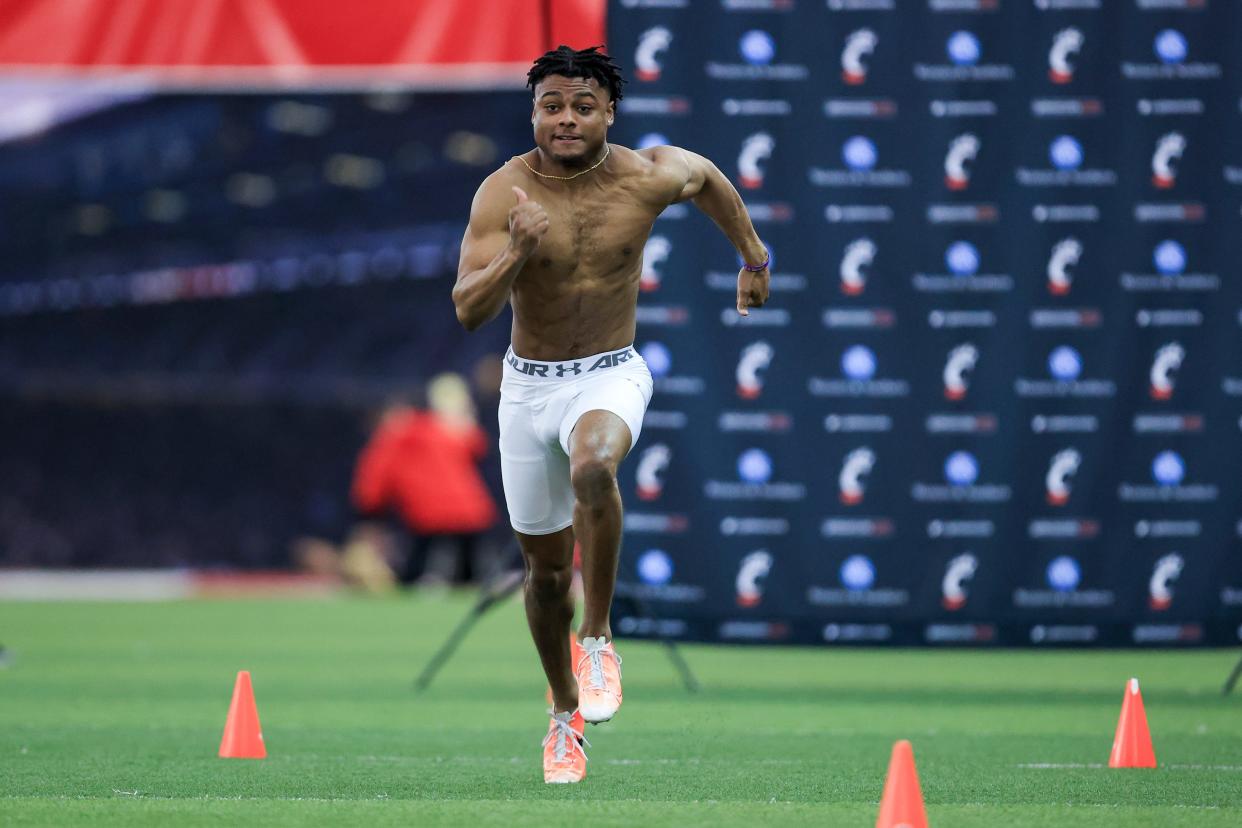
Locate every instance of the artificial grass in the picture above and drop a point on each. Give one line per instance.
(111, 714)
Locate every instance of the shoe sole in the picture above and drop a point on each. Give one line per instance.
(589, 719)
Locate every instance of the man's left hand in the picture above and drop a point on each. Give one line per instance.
(752, 289)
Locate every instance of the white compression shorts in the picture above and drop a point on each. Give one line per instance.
(540, 403)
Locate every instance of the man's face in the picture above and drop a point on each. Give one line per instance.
(571, 118)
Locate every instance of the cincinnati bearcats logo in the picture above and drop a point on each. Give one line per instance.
(953, 588)
(1064, 465)
(1065, 255)
(651, 43)
(655, 251)
(858, 255)
(755, 149)
(961, 361)
(1168, 359)
(1067, 42)
(651, 466)
(961, 152)
(1168, 152)
(1165, 573)
(755, 357)
(754, 568)
(857, 46)
(858, 464)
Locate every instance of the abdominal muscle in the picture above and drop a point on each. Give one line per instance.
(557, 318)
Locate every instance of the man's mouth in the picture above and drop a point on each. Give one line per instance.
(565, 139)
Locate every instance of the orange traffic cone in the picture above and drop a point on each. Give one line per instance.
(902, 804)
(1132, 744)
(243, 739)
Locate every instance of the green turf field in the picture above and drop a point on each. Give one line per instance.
(112, 715)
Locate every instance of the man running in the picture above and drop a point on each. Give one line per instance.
(558, 233)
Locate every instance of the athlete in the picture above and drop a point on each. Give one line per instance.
(558, 233)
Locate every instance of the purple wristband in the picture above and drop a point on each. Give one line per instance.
(756, 268)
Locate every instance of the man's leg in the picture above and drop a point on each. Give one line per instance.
(550, 609)
(599, 442)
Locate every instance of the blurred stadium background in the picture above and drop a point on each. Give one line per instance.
(228, 232)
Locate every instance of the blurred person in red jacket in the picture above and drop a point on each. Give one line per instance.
(423, 465)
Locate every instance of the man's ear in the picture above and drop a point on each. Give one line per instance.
(612, 111)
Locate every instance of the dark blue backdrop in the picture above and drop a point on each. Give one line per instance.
(995, 398)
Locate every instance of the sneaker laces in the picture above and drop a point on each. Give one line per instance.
(565, 737)
(594, 653)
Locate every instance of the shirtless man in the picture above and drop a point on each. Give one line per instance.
(558, 233)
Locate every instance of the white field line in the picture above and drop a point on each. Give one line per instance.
(1092, 765)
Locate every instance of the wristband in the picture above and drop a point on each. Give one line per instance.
(756, 268)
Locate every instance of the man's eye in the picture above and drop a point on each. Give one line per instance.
(584, 109)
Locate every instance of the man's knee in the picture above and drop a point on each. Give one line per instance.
(593, 478)
(549, 583)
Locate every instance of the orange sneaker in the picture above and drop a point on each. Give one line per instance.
(599, 680)
(564, 760)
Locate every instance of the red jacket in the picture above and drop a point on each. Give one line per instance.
(427, 472)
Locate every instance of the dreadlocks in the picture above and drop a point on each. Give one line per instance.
(583, 63)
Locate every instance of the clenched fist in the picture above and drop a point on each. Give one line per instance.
(527, 223)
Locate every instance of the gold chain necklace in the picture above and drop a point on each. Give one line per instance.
(607, 150)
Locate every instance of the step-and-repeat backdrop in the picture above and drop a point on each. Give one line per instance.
(996, 397)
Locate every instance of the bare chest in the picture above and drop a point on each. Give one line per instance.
(593, 237)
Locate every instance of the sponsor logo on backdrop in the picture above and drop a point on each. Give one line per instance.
(757, 49)
(857, 528)
(1168, 152)
(1168, 318)
(655, 253)
(962, 150)
(976, 423)
(1164, 107)
(857, 423)
(761, 107)
(945, 318)
(1066, 156)
(755, 357)
(655, 4)
(646, 57)
(1064, 577)
(655, 105)
(754, 471)
(1063, 529)
(659, 419)
(1170, 262)
(857, 465)
(962, 260)
(730, 525)
(650, 472)
(1163, 575)
(939, 528)
(1065, 367)
(753, 630)
(756, 149)
(655, 523)
(962, 108)
(765, 421)
(1065, 255)
(1171, 50)
(750, 575)
(659, 361)
(1064, 465)
(964, 53)
(858, 46)
(961, 361)
(1067, 107)
(757, 5)
(858, 256)
(857, 576)
(1166, 362)
(963, 5)
(860, 108)
(859, 368)
(838, 633)
(961, 474)
(858, 318)
(1064, 5)
(1167, 423)
(860, 157)
(1065, 44)
(1043, 318)
(953, 592)
(669, 316)
(862, 5)
(655, 575)
(1168, 471)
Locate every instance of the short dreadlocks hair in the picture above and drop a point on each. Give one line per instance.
(578, 63)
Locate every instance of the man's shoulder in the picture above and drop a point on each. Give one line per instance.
(664, 167)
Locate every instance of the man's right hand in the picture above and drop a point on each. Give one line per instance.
(527, 223)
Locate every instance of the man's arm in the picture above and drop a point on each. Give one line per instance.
(713, 193)
(498, 241)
